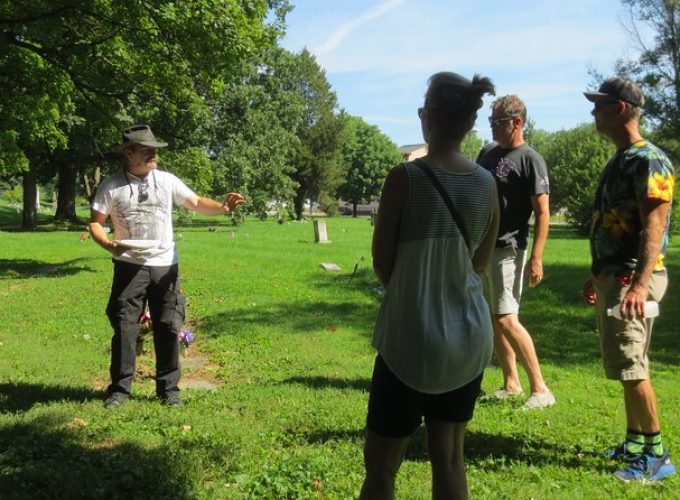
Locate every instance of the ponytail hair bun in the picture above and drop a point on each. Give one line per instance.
(452, 102)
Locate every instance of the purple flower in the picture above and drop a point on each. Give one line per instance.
(186, 337)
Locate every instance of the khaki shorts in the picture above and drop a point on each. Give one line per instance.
(624, 343)
(503, 280)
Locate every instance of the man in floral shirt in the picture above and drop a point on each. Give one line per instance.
(628, 240)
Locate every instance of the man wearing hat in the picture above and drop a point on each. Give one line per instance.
(139, 199)
(628, 241)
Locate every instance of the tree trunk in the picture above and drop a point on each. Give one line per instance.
(66, 198)
(299, 202)
(91, 186)
(354, 209)
(30, 220)
(86, 183)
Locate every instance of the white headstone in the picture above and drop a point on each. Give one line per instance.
(320, 233)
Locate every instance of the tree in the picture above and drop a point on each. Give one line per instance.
(368, 155)
(32, 101)
(657, 69)
(576, 158)
(318, 159)
(122, 61)
(254, 134)
(471, 145)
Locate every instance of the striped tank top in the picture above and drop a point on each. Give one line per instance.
(434, 327)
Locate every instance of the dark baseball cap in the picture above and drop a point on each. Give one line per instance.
(618, 89)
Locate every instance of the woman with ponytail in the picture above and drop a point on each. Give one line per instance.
(435, 231)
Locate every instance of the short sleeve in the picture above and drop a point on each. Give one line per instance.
(654, 178)
(180, 192)
(539, 174)
(102, 200)
(660, 180)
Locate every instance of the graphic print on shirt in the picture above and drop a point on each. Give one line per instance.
(504, 167)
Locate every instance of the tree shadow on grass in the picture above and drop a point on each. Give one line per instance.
(487, 451)
(48, 458)
(360, 280)
(22, 396)
(29, 268)
(320, 382)
(564, 328)
(494, 452)
(299, 317)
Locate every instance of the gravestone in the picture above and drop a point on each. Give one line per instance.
(320, 233)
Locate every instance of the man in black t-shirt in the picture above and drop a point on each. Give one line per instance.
(523, 188)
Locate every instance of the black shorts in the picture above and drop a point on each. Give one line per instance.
(395, 410)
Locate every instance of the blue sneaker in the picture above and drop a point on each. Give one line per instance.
(646, 467)
(620, 452)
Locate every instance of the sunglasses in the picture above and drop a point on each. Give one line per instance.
(144, 149)
(495, 122)
(143, 193)
(136, 128)
(598, 105)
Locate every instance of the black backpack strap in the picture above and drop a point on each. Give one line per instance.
(447, 200)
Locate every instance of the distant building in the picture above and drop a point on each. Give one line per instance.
(412, 151)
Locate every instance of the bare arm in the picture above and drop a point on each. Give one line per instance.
(97, 220)
(654, 216)
(206, 206)
(541, 207)
(392, 200)
(483, 254)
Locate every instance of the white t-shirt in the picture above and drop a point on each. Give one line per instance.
(136, 217)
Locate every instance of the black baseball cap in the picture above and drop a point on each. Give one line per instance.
(618, 88)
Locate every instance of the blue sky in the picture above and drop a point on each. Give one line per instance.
(378, 54)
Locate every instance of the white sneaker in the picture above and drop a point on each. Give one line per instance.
(500, 395)
(540, 401)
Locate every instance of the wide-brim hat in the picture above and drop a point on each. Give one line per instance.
(618, 89)
(138, 135)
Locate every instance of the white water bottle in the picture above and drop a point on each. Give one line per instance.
(651, 310)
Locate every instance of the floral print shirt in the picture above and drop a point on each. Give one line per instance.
(640, 172)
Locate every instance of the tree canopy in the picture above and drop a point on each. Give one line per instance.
(576, 159)
(368, 155)
(657, 68)
(113, 63)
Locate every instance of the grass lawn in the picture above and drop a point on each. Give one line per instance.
(288, 346)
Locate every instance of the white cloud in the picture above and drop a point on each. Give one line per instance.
(335, 39)
(379, 60)
(519, 47)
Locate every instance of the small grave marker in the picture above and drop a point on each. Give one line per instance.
(329, 266)
(320, 233)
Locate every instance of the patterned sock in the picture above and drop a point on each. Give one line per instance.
(635, 442)
(653, 443)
